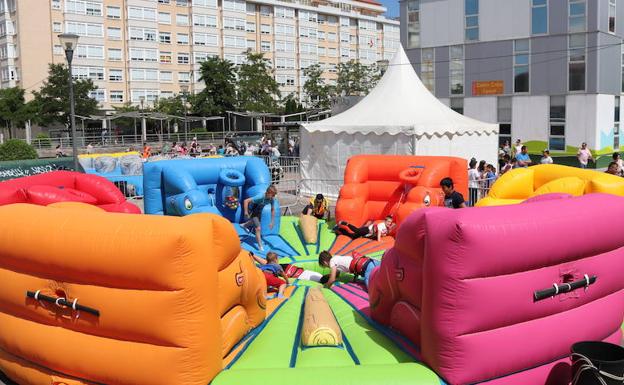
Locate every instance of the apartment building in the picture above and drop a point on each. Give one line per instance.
(148, 49)
(549, 71)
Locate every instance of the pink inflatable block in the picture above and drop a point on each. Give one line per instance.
(460, 284)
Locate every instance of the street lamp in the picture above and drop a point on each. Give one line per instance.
(184, 89)
(143, 122)
(69, 42)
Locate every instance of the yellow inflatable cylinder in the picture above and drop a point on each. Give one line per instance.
(309, 228)
(320, 327)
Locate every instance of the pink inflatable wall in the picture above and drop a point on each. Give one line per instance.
(460, 284)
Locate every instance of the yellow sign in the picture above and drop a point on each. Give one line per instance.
(490, 87)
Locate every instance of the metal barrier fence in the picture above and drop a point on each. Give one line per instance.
(479, 190)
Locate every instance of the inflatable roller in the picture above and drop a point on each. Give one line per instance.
(309, 228)
(319, 324)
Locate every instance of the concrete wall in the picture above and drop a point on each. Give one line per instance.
(530, 118)
(489, 61)
(548, 68)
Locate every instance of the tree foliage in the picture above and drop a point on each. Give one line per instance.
(318, 93)
(13, 108)
(219, 94)
(171, 106)
(257, 89)
(15, 149)
(52, 99)
(355, 78)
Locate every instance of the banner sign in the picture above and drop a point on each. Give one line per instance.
(491, 87)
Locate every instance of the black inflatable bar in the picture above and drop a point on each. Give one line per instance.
(564, 288)
(62, 302)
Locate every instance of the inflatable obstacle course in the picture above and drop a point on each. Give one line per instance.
(309, 228)
(319, 324)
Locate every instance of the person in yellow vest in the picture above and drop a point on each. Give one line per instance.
(147, 151)
(318, 207)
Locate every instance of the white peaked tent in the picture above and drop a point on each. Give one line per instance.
(399, 116)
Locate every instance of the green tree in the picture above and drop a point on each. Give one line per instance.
(291, 105)
(52, 99)
(15, 149)
(355, 78)
(170, 106)
(13, 108)
(219, 94)
(126, 124)
(257, 89)
(318, 93)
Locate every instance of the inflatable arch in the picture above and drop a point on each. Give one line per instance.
(65, 186)
(521, 184)
(474, 306)
(121, 299)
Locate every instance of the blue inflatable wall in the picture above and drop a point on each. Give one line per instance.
(183, 187)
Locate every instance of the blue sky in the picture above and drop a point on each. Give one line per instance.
(393, 7)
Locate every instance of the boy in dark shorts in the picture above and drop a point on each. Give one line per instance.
(452, 199)
(253, 210)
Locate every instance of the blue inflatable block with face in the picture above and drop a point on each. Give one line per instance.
(190, 202)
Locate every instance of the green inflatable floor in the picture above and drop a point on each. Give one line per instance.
(367, 356)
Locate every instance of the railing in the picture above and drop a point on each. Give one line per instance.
(478, 190)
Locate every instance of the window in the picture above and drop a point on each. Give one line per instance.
(234, 41)
(141, 13)
(164, 37)
(521, 65)
(84, 73)
(285, 80)
(471, 13)
(283, 12)
(576, 16)
(457, 69)
(81, 7)
(116, 96)
(183, 38)
(183, 58)
(115, 75)
(321, 35)
(143, 75)
(344, 53)
(146, 34)
(56, 4)
(113, 12)
(182, 20)
(234, 5)
(321, 51)
(166, 76)
(457, 105)
(205, 3)
(265, 10)
(332, 52)
(57, 27)
(164, 17)
(90, 51)
(308, 16)
(576, 62)
(616, 125)
(265, 29)
(184, 77)
(556, 137)
(344, 21)
(58, 49)
(165, 57)
(622, 63)
(265, 46)
(147, 95)
(307, 48)
(366, 25)
(310, 32)
(284, 46)
(205, 39)
(612, 15)
(114, 54)
(163, 1)
(413, 23)
(539, 17)
(98, 94)
(251, 44)
(251, 9)
(235, 24)
(205, 20)
(182, 3)
(143, 54)
(113, 33)
(85, 29)
(285, 63)
(427, 68)
(344, 37)
(503, 112)
(285, 29)
(250, 26)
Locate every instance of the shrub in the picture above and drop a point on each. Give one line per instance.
(43, 140)
(198, 130)
(15, 149)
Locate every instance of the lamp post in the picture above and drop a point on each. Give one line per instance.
(69, 42)
(184, 89)
(143, 122)
(383, 66)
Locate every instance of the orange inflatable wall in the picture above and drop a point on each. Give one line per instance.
(174, 295)
(373, 189)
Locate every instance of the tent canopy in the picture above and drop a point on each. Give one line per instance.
(401, 104)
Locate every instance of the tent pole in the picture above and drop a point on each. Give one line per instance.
(413, 143)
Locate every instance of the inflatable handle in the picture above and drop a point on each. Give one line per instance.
(60, 301)
(411, 175)
(564, 288)
(231, 177)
